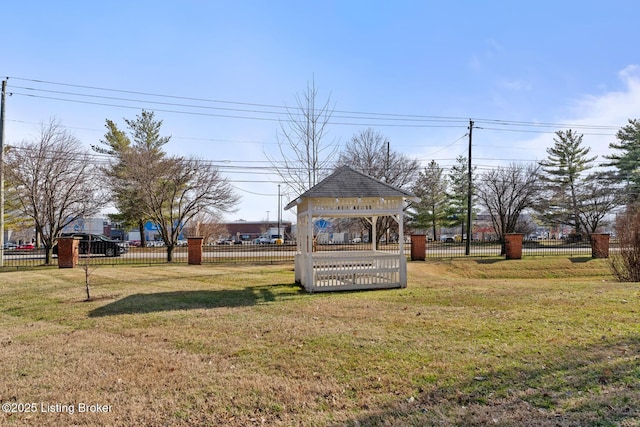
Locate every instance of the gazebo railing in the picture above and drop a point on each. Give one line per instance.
(332, 271)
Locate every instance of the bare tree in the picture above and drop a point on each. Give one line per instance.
(625, 265)
(370, 152)
(205, 225)
(173, 190)
(506, 192)
(303, 151)
(54, 182)
(597, 197)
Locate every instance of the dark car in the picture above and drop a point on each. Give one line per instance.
(96, 244)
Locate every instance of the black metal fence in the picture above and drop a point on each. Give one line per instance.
(270, 253)
(245, 253)
(493, 249)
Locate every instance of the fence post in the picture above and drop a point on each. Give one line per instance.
(599, 245)
(418, 247)
(194, 245)
(68, 252)
(513, 245)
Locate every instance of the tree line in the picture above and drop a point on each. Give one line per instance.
(52, 180)
(565, 189)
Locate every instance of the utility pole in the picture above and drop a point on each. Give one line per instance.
(467, 249)
(388, 173)
(4, 92)
(279, 218)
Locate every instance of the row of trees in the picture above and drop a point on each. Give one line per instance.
(566, 189)
(53, 181)
(147, 184)
(561, 190)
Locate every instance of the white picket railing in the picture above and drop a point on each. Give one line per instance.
(352, 271)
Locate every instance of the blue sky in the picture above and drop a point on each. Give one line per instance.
(508, 65)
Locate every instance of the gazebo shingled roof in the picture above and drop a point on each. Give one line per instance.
(347, 182)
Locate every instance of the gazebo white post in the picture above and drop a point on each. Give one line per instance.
(374, 233)
(299, 257)
(401, 233)
(403, 259)
(309, 284)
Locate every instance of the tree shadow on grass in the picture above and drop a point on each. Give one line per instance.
(580, 259)
(191, 300)
(595, 385)
(490, 261)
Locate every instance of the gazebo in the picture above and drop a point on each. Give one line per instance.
(348, 193)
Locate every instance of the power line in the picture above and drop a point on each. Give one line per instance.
(413, 119)
(403, 118)
(404, 124)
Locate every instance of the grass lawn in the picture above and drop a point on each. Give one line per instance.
(536, 342)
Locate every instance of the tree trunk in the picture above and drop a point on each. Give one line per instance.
(434, 226)
(48, 254)
(143, 243)
(170, 252)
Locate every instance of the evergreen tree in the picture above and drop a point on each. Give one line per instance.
(168, 190)
(431, 187)
(143, 138)
(627, 160)
(458, 194)
(563, 176)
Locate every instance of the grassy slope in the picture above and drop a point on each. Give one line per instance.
(548, 341)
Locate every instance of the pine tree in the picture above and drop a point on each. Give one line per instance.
(627, 161)
(563, 176)
(431, 187)
(458, 194)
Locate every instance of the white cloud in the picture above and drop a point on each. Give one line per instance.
(515, 85)
(609, 110)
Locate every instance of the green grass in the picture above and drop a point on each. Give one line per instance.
(548, 341)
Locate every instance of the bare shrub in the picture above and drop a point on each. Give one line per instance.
(625, 265)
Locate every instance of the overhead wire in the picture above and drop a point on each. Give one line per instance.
(413, 119)
(381, 119)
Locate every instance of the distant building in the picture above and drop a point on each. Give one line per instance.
(250, 230)
(89, 225)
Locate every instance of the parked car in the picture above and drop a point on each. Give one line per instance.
(10, 246)
(25, 247)
(276, 239)
(96, 244)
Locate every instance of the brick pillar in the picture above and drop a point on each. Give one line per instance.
(513, 245)
(194, 245)
(68, 252)
(418, 247)
(599, 245)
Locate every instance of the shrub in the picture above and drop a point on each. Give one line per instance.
(625, 265)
